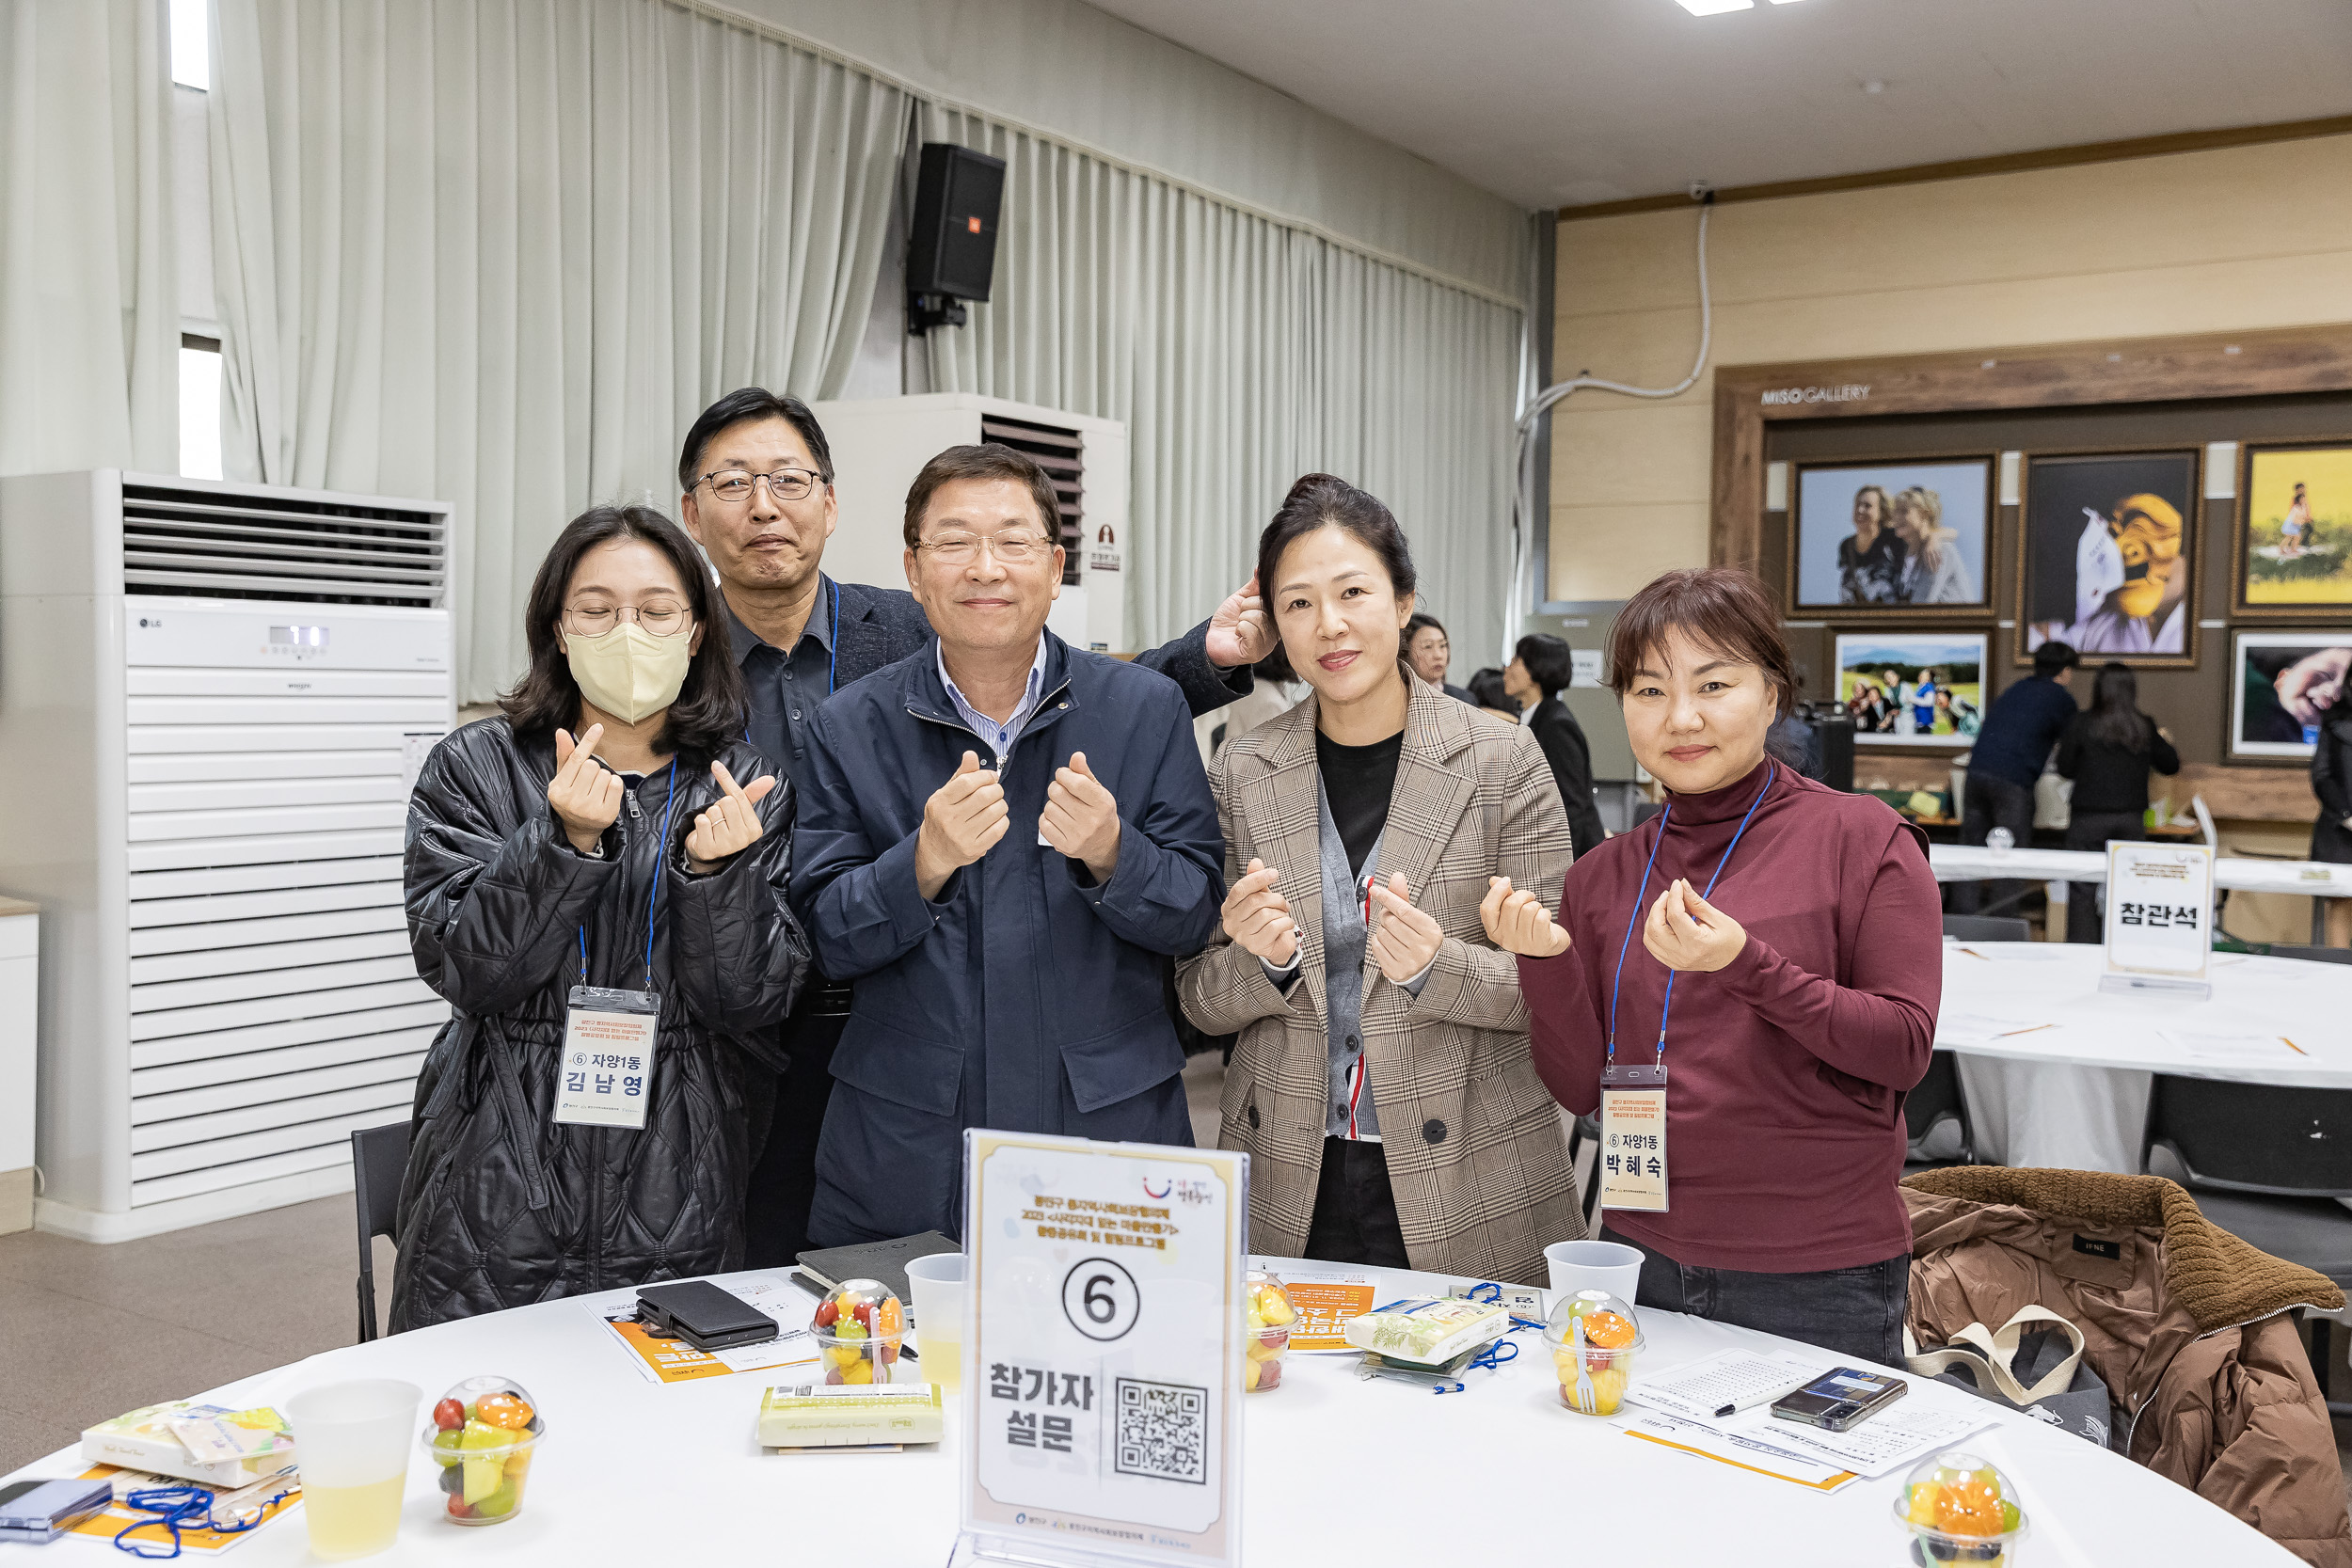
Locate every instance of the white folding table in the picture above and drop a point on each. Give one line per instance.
(1338, 1471)
(2069, 1089)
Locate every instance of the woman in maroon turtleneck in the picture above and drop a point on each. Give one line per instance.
(1804, 989)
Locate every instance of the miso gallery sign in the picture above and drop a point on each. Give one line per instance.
(1778, 397)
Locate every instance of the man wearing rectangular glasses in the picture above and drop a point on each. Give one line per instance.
(1005, 841)
(756, 476)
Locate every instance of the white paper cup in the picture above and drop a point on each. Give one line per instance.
(351, 1440)
(937, 1285)
(1594, 1266)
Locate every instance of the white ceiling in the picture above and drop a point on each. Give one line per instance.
(1565, 101)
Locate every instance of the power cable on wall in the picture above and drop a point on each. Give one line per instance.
(1531, 421)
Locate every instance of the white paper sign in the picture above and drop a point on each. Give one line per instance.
(2159, 906)
(1584, 666)
(1103, 1351)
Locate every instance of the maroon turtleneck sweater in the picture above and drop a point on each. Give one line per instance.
(1787, 1068)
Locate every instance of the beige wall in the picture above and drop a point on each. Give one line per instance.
(2197, 242)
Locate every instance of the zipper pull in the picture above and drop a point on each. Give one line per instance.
(635, 815)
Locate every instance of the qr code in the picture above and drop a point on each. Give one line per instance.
(1162, 1430)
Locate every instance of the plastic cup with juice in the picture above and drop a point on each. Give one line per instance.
(351, 1440)
(937, 1285)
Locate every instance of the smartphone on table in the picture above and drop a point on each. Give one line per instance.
(1841, 1398)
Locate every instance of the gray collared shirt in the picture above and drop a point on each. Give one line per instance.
(784, 688)
(998, 737)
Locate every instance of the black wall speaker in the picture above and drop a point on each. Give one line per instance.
(951, 247)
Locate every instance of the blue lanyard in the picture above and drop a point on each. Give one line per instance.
(833, 656)
(661, 864)
(1640, 897)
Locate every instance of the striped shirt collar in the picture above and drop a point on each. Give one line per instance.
(1000, 738)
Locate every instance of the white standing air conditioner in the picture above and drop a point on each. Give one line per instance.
(880, 445)
(214, 698)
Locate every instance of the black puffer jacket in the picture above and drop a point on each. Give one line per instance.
(501, 1205)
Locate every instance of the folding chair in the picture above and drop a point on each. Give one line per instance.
(379, 1157)
(1936, 1100)
(2267, 1161)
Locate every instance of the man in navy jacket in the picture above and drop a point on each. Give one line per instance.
(756, 478)
(1004, 844)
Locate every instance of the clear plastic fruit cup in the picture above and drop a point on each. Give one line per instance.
(1592, 1336)
(483, 1433)
(859, 1329)
(1960, 1510)
(1267, 1317)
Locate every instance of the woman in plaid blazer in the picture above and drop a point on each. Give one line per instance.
(1382, 1082)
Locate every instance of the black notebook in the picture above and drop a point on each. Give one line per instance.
(883, 1260)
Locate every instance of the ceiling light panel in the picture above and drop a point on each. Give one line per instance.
(1715, 8)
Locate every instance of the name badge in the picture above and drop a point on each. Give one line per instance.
(607, 1076)
(1633, 1137)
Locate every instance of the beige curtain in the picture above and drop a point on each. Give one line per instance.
(1242, 352)
(90, 310)
(502, 251)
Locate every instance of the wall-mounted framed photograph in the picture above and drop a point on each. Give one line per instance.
(2292, 554)
(2109, 556)
(1868, 539)
(2284, 683)
(1912, 688)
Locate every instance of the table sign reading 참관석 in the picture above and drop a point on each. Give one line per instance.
(2159, 920)
(1103, 1353)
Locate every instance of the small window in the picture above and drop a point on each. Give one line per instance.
(199, 407)
(192, 43)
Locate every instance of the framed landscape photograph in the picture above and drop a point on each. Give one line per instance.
(2294, 548)
(2109, 556)
(1876, 537)
(2284, 683)
(1913, 688)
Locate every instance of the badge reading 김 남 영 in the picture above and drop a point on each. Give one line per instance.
(606, 1079)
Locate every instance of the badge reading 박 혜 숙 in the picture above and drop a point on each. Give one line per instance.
(1633, 1136)
(607, 1076)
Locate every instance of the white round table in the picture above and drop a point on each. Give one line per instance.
(1339, 1472)
(2071, 1090)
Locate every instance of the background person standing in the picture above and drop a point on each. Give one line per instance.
(758, 483)
(1542, 667)
(2107, 751)
(2013, 743)
(1430, 653)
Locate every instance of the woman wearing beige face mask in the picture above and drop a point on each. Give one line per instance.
(602, 902)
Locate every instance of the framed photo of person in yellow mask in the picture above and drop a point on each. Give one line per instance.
(2110, 556)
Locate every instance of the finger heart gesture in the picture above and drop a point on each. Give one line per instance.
(1686, 932)
(1404, 939)
(1516, 922)
(584, 796)
(728, 825)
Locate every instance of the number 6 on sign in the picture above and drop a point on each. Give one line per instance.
(1100, 1299)
(1103, 1353)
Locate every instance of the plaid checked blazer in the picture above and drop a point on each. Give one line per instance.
(1476, 1151)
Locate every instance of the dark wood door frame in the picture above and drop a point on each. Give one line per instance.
(2056, 375)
